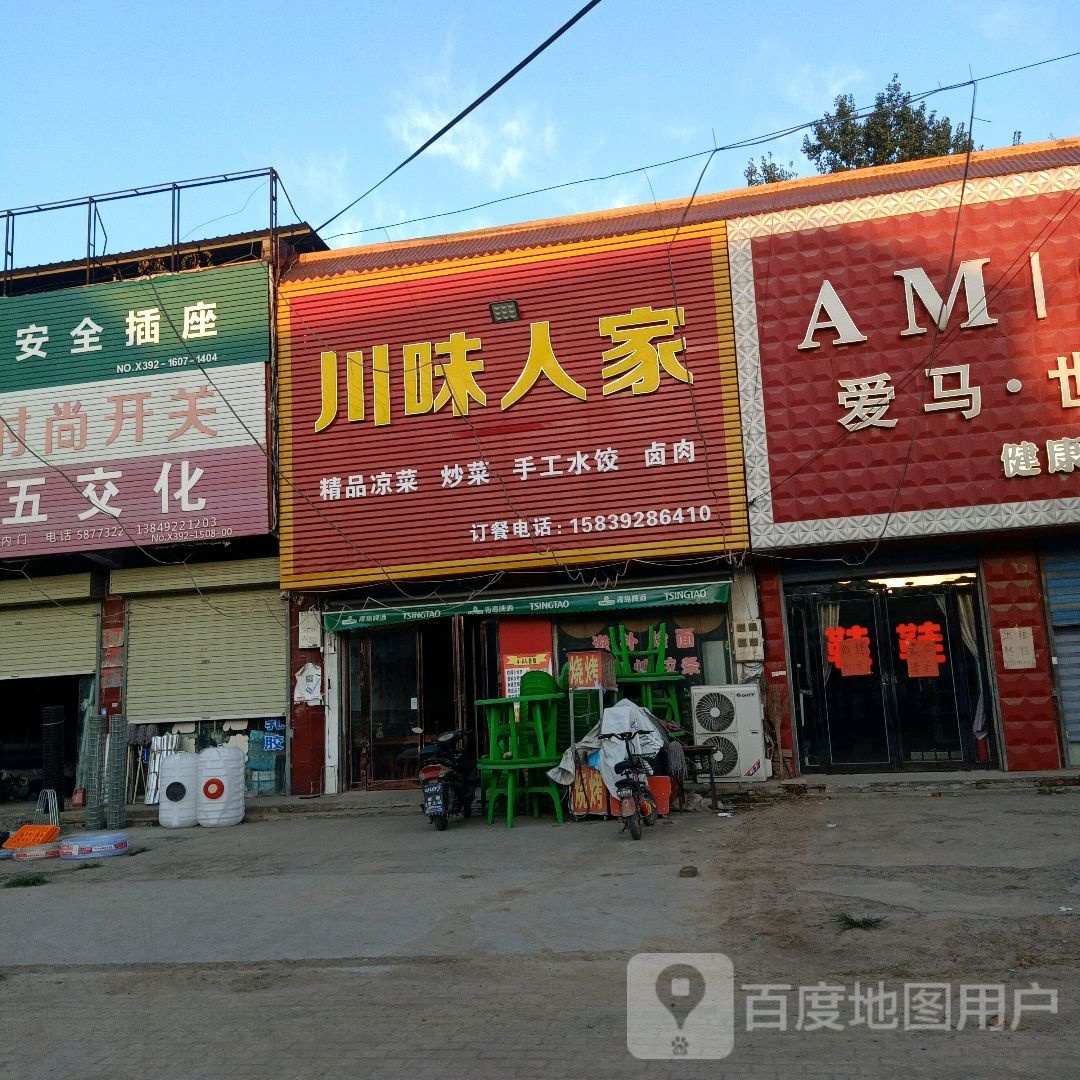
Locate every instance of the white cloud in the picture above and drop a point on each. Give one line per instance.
(493, 144)
(1032, 25)
(496, 150)
(810, 87)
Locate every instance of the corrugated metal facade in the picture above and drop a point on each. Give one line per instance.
(1067, 646)
(211, 575)
(206, 657)
(50, 588)
(527, 468)
(49, 640)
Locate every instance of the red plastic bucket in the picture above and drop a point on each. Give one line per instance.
(660, 786)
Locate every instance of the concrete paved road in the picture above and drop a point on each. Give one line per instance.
(373, 946)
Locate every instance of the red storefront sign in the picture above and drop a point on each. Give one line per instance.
(420, 437)
(591, 670)
(876, 421)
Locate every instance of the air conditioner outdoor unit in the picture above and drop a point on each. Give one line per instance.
(729, 719)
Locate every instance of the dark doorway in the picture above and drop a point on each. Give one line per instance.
(406, 678)
(22, 751)
(890, 676)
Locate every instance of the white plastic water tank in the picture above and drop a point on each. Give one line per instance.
(221, 786)
(178, 784)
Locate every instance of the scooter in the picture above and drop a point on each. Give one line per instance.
(448, 779)
(636, 802)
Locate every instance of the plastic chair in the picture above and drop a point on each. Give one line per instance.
(538, 724)
(542, 784)
(499, 780)
(522, 740)
(641, 670)
(540, 682)
(498, 719)
(639, 655)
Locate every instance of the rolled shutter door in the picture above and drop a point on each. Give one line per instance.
(1061, 573)
(217, 656)
(41, 642)
(1067, 644)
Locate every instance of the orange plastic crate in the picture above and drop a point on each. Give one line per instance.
(32, 835)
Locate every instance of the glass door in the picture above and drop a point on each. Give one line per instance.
(400, 679)
(924, 661)
(839, 680)
(383, 706)
(889, 677)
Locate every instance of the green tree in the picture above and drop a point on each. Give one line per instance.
(894, 130)
(768, 171)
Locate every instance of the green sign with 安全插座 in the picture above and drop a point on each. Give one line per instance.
(202, 319)
(610, 600)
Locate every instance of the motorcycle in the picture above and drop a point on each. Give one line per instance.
(448, 779)
(636, 802)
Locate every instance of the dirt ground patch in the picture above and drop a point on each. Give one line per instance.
(307, 946)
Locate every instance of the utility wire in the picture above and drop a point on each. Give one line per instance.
(738, 144)
(469, 108)
(934, 342)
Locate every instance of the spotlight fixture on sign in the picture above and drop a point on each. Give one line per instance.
(504, 311)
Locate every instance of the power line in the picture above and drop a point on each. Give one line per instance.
(469, 108)
(523, 195)
(934, 342)
(738, 144)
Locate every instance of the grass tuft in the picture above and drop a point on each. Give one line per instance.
(846, 921)
(87, 865)
(137, 850)
(25, 881)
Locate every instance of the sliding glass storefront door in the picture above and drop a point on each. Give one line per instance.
(889, 677)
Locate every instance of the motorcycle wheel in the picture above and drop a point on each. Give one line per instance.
(648, 812)
(440, 822)
(633, 823)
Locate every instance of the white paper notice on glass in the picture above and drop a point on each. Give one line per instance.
(308, 686)
(1018, 648)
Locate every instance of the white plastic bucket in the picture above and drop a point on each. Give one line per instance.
(178, 786)
(221, 786)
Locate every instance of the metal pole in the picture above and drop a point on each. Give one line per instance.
(89, 238)
(9, 247)
(273, 221)
(175, 238)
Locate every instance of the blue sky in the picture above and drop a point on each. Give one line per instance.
(111, 95)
